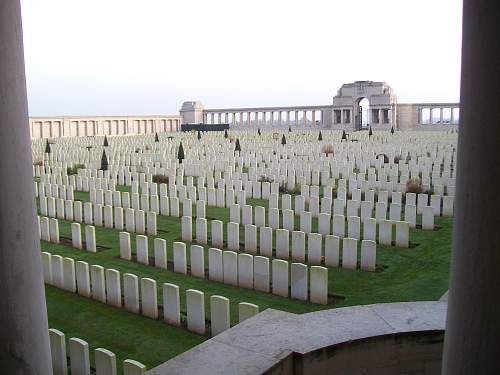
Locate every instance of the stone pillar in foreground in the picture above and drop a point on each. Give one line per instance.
(24, 337)
(473, 322)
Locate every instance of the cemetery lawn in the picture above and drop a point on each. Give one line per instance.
(129, 336)
(415, 274)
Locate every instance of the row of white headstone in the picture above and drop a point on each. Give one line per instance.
(79, 358)
(263, 244)
(250, 182)
(314, 176)
(105, 285)
(241, 270)
(119, 218)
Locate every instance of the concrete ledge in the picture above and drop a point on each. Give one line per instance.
(282, 343)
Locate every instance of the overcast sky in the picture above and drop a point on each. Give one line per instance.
(119, 57)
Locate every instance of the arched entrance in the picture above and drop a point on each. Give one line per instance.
(361, 110)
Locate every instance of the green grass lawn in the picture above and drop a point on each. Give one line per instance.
(419, 273)
(127, 335)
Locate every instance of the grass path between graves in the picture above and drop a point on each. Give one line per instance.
(419, 273)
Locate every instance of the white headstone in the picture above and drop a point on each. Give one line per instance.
(90, 241)
(180, 263)
(171, 304)
(338, 226)
(427, 218)
(314, 248)
(82, 278)
(349, 253)
(215, 268)
(69, 278)
(246, 310)
(368, 255)
(149, 301)
(217, 236)
(266, 241)
(219, 314)
(305, 222)
(131, 293)
(385, 232)
(197, 257)
(230, 264)
(402, 234)
(195, 309)
(280, 277)
(299, 281)
(298, 246)
(187, 228)
(113, 288)
(261, 273)
(233, 236)
(76, 236)
(332, 251)
(98, 283)
(58, 352)
(142, 250)
(245, 271)
(319, 285)
(105, 362)
(79, 356)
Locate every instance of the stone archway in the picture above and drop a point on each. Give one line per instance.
(381, 100)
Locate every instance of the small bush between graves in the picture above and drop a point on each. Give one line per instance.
(285, 190)
(74, 169)
(160, 179)
(413, 185)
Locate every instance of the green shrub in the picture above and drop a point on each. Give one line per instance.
(285, 190)
(74, 169)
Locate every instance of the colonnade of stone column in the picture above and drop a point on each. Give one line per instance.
(262, 117)
(432, 119)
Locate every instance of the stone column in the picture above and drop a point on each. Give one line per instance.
(279, 117)
(24, 337)
(341, 116)
(441, 115)
(313, 117)
(473, 321)
(288, 118)
(296, 117)
(241, 118)
(452, 120)
(304, 119)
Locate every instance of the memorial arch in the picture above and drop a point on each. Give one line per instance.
(381, 108)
